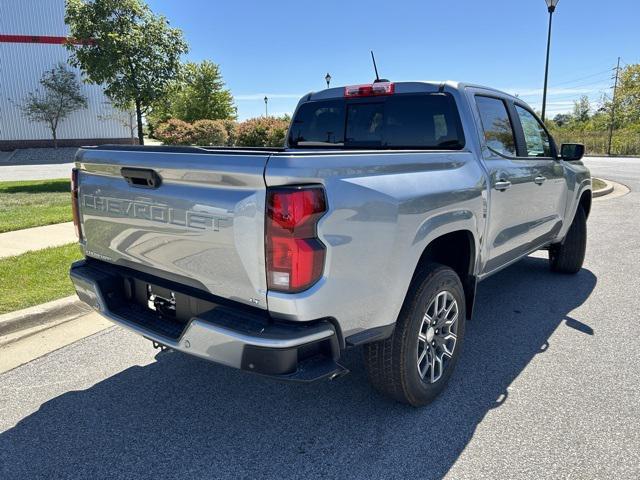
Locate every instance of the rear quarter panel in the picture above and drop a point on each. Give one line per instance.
(383, 210)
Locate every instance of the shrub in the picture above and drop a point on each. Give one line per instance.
(209, 132)
(255, 132)
(175, 132)
(231, 126)
(262, 132)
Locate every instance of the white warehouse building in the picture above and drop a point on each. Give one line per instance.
(32, 36)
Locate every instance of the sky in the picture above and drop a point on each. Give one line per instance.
(283, 49)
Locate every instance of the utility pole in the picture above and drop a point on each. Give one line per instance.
(613, 107)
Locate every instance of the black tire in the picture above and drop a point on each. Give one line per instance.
(568, 256)
(392, 364)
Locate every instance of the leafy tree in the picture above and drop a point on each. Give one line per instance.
(581, 109)
(127, 48)
(594, 131)
(197, 94)
(125, 116)
(628, 95)
(562, 119)
(59, 98)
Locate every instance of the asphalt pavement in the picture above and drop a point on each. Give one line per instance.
(547, 387)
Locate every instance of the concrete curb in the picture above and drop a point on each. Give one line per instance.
(603, 191)
(65, 309)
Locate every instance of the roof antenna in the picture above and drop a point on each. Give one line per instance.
(375, 67)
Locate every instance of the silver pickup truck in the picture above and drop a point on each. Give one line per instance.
(372, 226)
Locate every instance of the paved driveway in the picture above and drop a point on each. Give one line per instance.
(548, 387)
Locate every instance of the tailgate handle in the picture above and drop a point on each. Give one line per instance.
(141, 177)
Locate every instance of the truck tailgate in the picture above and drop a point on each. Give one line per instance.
(202, 223)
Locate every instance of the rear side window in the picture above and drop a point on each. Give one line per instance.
(426, 121)
(498, 131)
(320, 123)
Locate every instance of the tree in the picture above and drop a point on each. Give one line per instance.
(562, 119)
(197, 94)
(59, 98)
(581, 109)
(133, 52)
(592, 127)
(125, 116)
(628, 95)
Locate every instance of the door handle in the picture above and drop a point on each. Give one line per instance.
(502, 185)
(540, 180)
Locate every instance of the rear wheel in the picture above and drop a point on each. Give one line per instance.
(414, 365)
(568, 256)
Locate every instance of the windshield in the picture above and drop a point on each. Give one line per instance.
(424, 121)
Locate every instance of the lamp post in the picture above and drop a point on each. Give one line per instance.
(266, 107)
(327, 79)
(551, 7)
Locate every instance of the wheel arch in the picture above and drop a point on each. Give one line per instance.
(457, 250)
(585, 202)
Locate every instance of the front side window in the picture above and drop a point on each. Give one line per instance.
(498, 131)
(536, 139)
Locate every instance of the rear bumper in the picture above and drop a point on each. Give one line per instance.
(226, 334)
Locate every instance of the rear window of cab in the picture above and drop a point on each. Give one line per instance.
(407, 121)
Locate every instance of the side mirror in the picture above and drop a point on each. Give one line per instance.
(571, 151)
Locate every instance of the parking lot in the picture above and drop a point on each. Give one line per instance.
(547, 387)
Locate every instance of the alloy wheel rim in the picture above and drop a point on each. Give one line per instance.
(438, 336)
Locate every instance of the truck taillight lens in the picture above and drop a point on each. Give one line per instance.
(369, 90)
(295, 255)
(75, 207)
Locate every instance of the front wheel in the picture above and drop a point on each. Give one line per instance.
(568, 256)
(414, 365)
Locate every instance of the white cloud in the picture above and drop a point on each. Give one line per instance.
(260, 96)
(531, 92)
(553, 108)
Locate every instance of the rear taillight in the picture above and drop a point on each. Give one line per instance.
(295, 255)
(369, 90)
(75, 208)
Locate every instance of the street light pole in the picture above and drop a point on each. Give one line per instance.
(266, 108)
(551, 7)
(327, 79)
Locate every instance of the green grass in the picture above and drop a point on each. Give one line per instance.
(36, 277)
(597, 184)
(34, 203)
